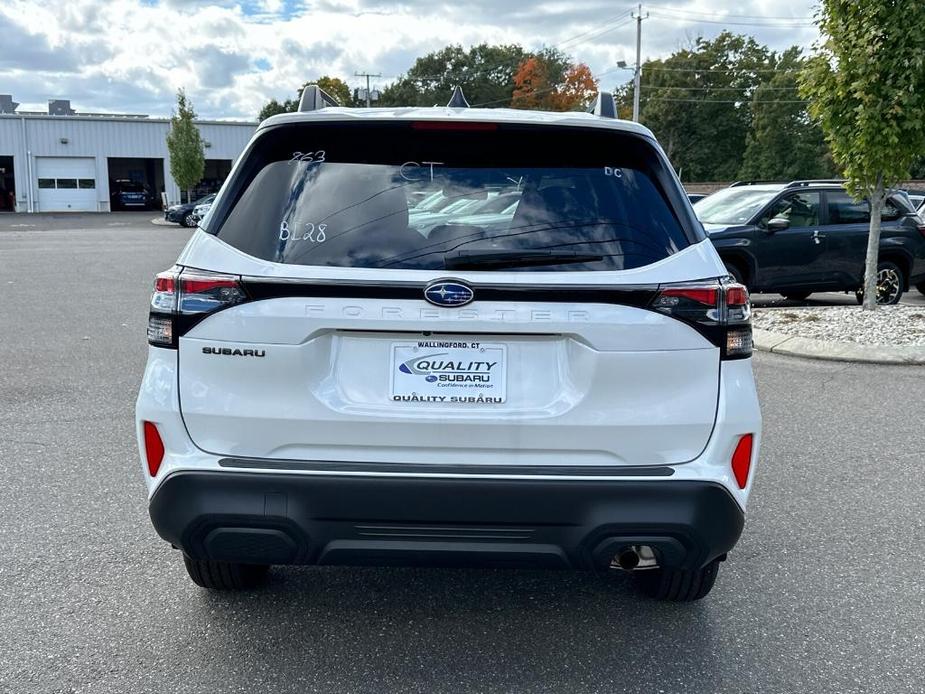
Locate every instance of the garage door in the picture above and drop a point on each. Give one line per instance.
(66, 184)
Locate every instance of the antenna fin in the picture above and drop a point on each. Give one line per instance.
(458, 100)
(604, 105)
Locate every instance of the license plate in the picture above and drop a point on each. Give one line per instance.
(449, 372)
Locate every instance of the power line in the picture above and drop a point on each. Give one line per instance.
(727, 70)
(729, 101)
(712, 89)
(678, 10)
(724, 22)
(614, 18)
(545, 90)
(619, 20)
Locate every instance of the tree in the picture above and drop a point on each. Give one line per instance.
(543, 83)
(782, 142)
(697, 101)
(532, 89)
(334, 86)
(274, 108)
(866, 85)
(485, 73)
(187, 157)
(578, 89)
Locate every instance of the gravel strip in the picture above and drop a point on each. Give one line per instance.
(888, 325)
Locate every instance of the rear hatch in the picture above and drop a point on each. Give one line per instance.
(320, 325)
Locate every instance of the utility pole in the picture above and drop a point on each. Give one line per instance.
(367, 75)
(638, 75)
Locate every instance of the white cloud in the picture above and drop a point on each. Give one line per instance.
(130, 55)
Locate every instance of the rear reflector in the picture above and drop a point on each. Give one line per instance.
(154, 448)
(742, 460)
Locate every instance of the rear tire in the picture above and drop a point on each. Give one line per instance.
(223, 575)
(796, 296)
(735, 271)
(678, 585)
(188, 221)
(890, 284)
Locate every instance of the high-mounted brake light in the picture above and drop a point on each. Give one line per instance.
(742, 460)
(452, 125)
(154, 447)
(183, 297)
(720, 310)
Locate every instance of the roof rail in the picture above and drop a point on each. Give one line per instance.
(314, 98)
(458, 100)
(604, 105)
(810, 181)
(749, 183)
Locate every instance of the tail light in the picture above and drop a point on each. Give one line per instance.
(742, 460)
(182, 297)
(920, 225)
(720, 311)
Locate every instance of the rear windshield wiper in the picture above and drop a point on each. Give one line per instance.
(482, 260)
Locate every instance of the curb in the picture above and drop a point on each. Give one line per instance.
(790, 345)
(161, 222)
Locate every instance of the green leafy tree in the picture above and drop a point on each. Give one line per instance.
(782, 142)
(866, 84)
(697, 101)
(334, 86)
(485, 73)
(274, 108)
(187, 157)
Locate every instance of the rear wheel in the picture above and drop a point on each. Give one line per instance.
(890, 284)
(678, 585)
(796, 296)
(188, 221)
(223, 575)
(735, 271)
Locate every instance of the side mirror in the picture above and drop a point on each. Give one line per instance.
(778, 224)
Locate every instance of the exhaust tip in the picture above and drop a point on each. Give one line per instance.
(628, 559)
(634, 558)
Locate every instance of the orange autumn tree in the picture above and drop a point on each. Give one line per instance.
(531, 85)
(535, 87)
(577, 91)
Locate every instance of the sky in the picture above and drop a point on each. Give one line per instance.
(130, 56)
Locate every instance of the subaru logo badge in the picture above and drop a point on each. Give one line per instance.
(448, 293)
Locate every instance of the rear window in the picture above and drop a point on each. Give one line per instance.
(413, 196)
(735, 205)
(843, 209)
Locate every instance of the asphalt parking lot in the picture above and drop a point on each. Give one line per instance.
(823, 594)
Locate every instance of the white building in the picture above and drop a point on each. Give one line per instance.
(64, 161)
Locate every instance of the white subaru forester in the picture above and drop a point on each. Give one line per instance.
(450, 336)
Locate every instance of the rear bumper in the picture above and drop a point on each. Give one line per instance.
(275, 518)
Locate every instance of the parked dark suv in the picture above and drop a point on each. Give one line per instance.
(130, 195)
(811, 236)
